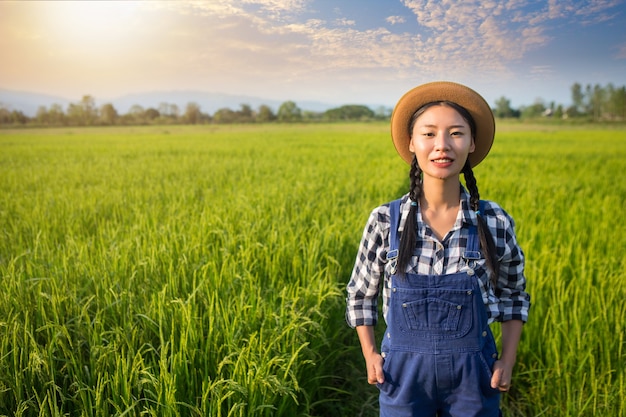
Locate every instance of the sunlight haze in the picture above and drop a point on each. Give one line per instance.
(367, 52)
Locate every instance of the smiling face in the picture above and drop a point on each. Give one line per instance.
(441, 139)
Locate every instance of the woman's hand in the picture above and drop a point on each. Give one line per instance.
(374, 363)
(373, 360)
(501, 378)
(503, 368)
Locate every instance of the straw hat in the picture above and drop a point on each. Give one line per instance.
(443, 91)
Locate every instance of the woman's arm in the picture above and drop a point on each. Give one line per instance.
(503, 368)
(373, 359)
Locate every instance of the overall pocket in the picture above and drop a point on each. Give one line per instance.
(435, 313)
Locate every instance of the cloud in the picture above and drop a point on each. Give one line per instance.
(450, 37)
(539, 72)
(395, 19)
(344, 22)
(231, 44)
(492, 36)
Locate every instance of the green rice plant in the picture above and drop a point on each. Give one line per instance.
(201, 271)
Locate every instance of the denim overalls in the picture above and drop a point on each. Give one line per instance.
(438, 348)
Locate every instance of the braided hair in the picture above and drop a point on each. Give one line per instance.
(408, 237)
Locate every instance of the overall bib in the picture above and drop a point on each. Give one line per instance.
(438, 348)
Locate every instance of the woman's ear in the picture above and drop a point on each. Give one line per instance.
(472, 147)
(411, 147)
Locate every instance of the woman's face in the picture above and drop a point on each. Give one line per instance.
(441, 140)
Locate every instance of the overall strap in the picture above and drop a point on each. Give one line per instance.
(472, 250)
(394, 240)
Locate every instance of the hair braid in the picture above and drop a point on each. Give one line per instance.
(484, 234)
(408, 237)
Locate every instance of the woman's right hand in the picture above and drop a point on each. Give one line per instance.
(373, 360)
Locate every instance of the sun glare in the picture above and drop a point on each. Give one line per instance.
(90, 23)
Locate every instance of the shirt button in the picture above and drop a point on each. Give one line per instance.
(393, 289)
(384, 354)
(459, 307)
(469, 292)
(388, 335)
(484, 334)
(403, 305)
(495, 356)
(470, 272)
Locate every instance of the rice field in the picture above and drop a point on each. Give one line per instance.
(200, 271)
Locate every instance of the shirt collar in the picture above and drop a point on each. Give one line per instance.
(468, 216)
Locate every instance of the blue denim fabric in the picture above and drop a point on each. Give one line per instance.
(439, 351)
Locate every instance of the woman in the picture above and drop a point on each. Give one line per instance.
(448, 263)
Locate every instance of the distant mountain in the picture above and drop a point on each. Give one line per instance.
(29, 102)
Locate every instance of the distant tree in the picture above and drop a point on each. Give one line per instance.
(312, 116)
(535, 110)
(192, 113)
(245, 114)
(174, 111)
(42, 116)
(598, 102)
(5, 114)
(618, 101)
(503, 108)
(135, 114)
(558, 112)
(571, 112)
(170, 112)
(151, 114)
(289, 112)
(224, 115)
(89, 111)
(577, 97)
(74, 114)
(349, 112)
(56, 115)
(18, 117)
(83, 113)
(265, 114)
(108, 114)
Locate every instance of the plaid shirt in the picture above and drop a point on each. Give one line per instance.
(507, 301)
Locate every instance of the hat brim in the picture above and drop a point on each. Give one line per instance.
(464, 96)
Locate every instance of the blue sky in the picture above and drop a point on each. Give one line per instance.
(340, 52)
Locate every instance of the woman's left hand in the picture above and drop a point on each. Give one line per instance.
(501, 378)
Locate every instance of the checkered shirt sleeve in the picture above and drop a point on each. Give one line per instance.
(509, 299)
(368, 272)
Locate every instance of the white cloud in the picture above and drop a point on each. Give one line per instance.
(225, 44)
(468, 35)
(344, 22)
(541, 71)
(394, 20)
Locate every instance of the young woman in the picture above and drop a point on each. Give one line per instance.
(448, 264)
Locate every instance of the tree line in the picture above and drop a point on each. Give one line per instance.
(592, 103)
(86, 113)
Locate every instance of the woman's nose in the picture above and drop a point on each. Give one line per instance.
(442, 142)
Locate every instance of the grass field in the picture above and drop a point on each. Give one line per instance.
(200, 271)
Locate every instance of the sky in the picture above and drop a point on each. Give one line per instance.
(334, 51)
